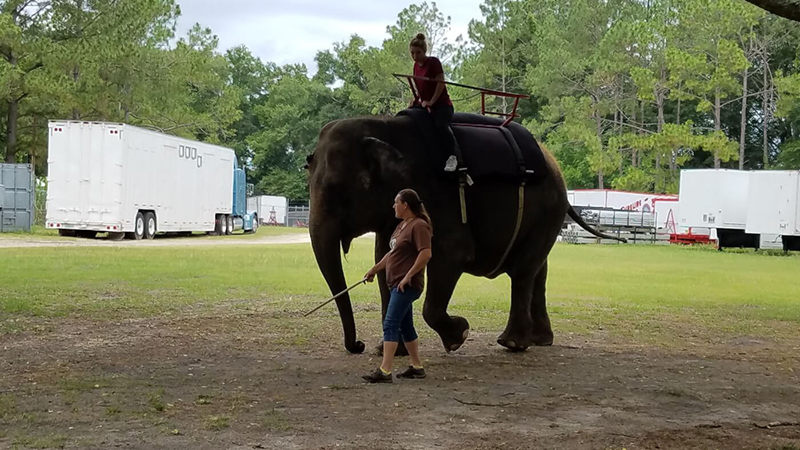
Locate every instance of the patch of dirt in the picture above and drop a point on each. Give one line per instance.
(229, 381)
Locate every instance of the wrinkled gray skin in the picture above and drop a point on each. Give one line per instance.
(357, 169)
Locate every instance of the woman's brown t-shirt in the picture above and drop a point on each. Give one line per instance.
(405, 245)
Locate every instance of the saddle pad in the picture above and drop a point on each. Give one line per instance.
(490, 152)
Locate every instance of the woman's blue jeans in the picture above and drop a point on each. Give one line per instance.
(399, 320)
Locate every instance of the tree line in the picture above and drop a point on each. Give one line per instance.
(624, 92)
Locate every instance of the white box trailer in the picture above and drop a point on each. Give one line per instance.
(773, 205)
(717, 199)
(103, 176)
(264, 206)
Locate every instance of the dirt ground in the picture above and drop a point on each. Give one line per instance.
(217, 380)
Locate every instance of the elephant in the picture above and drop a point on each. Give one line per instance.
(354, 173)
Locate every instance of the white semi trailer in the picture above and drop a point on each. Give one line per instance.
(773, 205)
(127, 181)
(717, 199)
(269, 209)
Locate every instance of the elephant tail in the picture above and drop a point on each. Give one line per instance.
(579, 220)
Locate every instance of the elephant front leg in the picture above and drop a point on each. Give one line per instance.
(442, 278)
(381, 249)
(385, 296)
(519, 332)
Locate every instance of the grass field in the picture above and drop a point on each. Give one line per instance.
(656, 294)
(204, 347)
(40, 231)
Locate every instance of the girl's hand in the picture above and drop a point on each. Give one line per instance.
(426, 104)
(402, 286)
(370, 275)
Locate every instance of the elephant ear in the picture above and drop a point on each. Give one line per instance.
(385, 161)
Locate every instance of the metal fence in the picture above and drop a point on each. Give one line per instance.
(297, 216)
(17, 212)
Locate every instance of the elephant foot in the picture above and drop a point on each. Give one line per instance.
(357, 347)
(454, 338)
(401, 349)
(543, 339)
(516, 342)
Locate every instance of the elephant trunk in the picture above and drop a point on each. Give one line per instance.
(325, 241)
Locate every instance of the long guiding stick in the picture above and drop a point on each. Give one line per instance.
(364, 280)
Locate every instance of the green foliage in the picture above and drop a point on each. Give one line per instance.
(289, 184)
(789, 158)
(625, 93)
(635, 179)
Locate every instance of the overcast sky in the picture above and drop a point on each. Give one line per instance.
(292, 31)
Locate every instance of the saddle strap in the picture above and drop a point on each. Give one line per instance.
(463, 202)
(517, 152)
(520, 212)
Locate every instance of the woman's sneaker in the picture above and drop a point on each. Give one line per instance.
(451, 164)
(378, 377)
(411, 372)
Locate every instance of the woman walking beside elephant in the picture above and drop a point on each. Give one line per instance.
(410, 251)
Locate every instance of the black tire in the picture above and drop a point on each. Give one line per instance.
(149, 225)
(230, 225)
(223, 225)
(116, 236)
(217, 226)
(254, 230)
(138, 226)
(67, 233)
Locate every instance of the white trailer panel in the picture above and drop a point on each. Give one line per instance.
(100, 175)
(264, 205)
(714, 198)
(773, 200)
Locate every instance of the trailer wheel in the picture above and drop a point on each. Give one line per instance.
(67, 233)
(223, 225)
(138, 226)
(230, 225)
(149, 225)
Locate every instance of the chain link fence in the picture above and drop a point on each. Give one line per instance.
(297, 216)
(40, 206)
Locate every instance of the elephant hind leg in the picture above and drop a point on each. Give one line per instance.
(542, 331)
(528, 323)
(519, 332)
